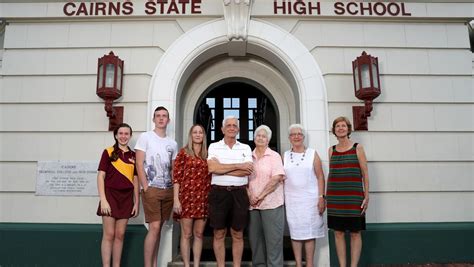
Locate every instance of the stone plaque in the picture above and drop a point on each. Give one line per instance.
(66, 178)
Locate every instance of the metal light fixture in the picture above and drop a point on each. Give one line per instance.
(365, 70)
(109, 86)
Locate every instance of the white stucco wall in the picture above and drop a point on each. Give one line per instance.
(420, 139)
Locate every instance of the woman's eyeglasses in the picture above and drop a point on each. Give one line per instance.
(296, 134)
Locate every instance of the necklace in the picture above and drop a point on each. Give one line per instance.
(302, 157)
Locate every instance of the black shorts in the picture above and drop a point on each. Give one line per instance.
(228, 207)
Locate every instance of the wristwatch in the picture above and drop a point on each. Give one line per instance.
(323, 196)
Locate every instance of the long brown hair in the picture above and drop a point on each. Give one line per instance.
(189, 146)
(115, 154)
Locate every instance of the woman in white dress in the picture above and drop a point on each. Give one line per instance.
(304, 196)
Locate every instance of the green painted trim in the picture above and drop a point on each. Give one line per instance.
(414, 243)
(41, 244)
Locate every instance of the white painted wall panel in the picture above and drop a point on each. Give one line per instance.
(16, 35)
(454, 62)
(49, 146)
(144, 61)
(18, 176)
(93, 34)
(24, 61)
(398, 61)
(381, 34)
(77, 61)
(288, 24)
(426, 35)
(458, 117)
(330, 60)
(415, 146)
(131, 34)
(165, 33)
(406, 89)
(66, 117)
(463, 89)
(38, 89)
(421, 207)
(414, 61)
(457, 36)
(187, 23)
(29, 208)
(412, 117)
(341, 33)
(89, 34)
(67, 61)
(421, 176)
(47, 35)
(441, 9)
(375, 34)
(306, 31)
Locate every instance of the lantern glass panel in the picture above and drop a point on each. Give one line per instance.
(101, 76)
(356, 76)
(375, 75)
(119, 78)
(109, 75)
(365, 73)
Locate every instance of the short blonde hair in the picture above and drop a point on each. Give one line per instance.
(338, 120)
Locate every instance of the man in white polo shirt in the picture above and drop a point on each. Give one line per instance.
(230, 163)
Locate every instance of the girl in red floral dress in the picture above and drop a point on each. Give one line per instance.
(192, 183)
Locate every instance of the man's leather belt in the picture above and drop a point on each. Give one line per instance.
(228, 187)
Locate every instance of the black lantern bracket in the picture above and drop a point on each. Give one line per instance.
(365, 70)
(109, 86)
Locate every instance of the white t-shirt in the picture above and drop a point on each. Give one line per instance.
(159, 155)
(239, 153)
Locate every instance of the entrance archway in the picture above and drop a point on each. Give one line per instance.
(296, 84)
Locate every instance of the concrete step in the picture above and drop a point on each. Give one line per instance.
(227, 264)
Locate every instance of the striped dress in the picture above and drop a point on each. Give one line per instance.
(345, 191)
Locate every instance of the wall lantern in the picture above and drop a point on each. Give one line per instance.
(365, 70)
(109, 86)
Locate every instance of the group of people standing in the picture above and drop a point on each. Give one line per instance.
(233, 187)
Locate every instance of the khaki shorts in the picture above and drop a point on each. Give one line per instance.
(157, 204)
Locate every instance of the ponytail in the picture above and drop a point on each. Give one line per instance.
(115, 153)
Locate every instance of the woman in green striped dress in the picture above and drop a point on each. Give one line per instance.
(347, 191)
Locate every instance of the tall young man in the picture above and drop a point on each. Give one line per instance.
(230, 163)
(155, 154)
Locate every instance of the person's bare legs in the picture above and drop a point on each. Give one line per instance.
(198, 231)
(297, 246)
(108, 232)
(185, 240)
(237, 246)
(356, 248)
(152, 244)
(120, 227)
(219, 246)
(309, 246)
(340, 238)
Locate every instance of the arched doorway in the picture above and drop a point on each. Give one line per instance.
(242, 100)
(274, 59)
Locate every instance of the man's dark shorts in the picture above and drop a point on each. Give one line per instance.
(228, 207)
